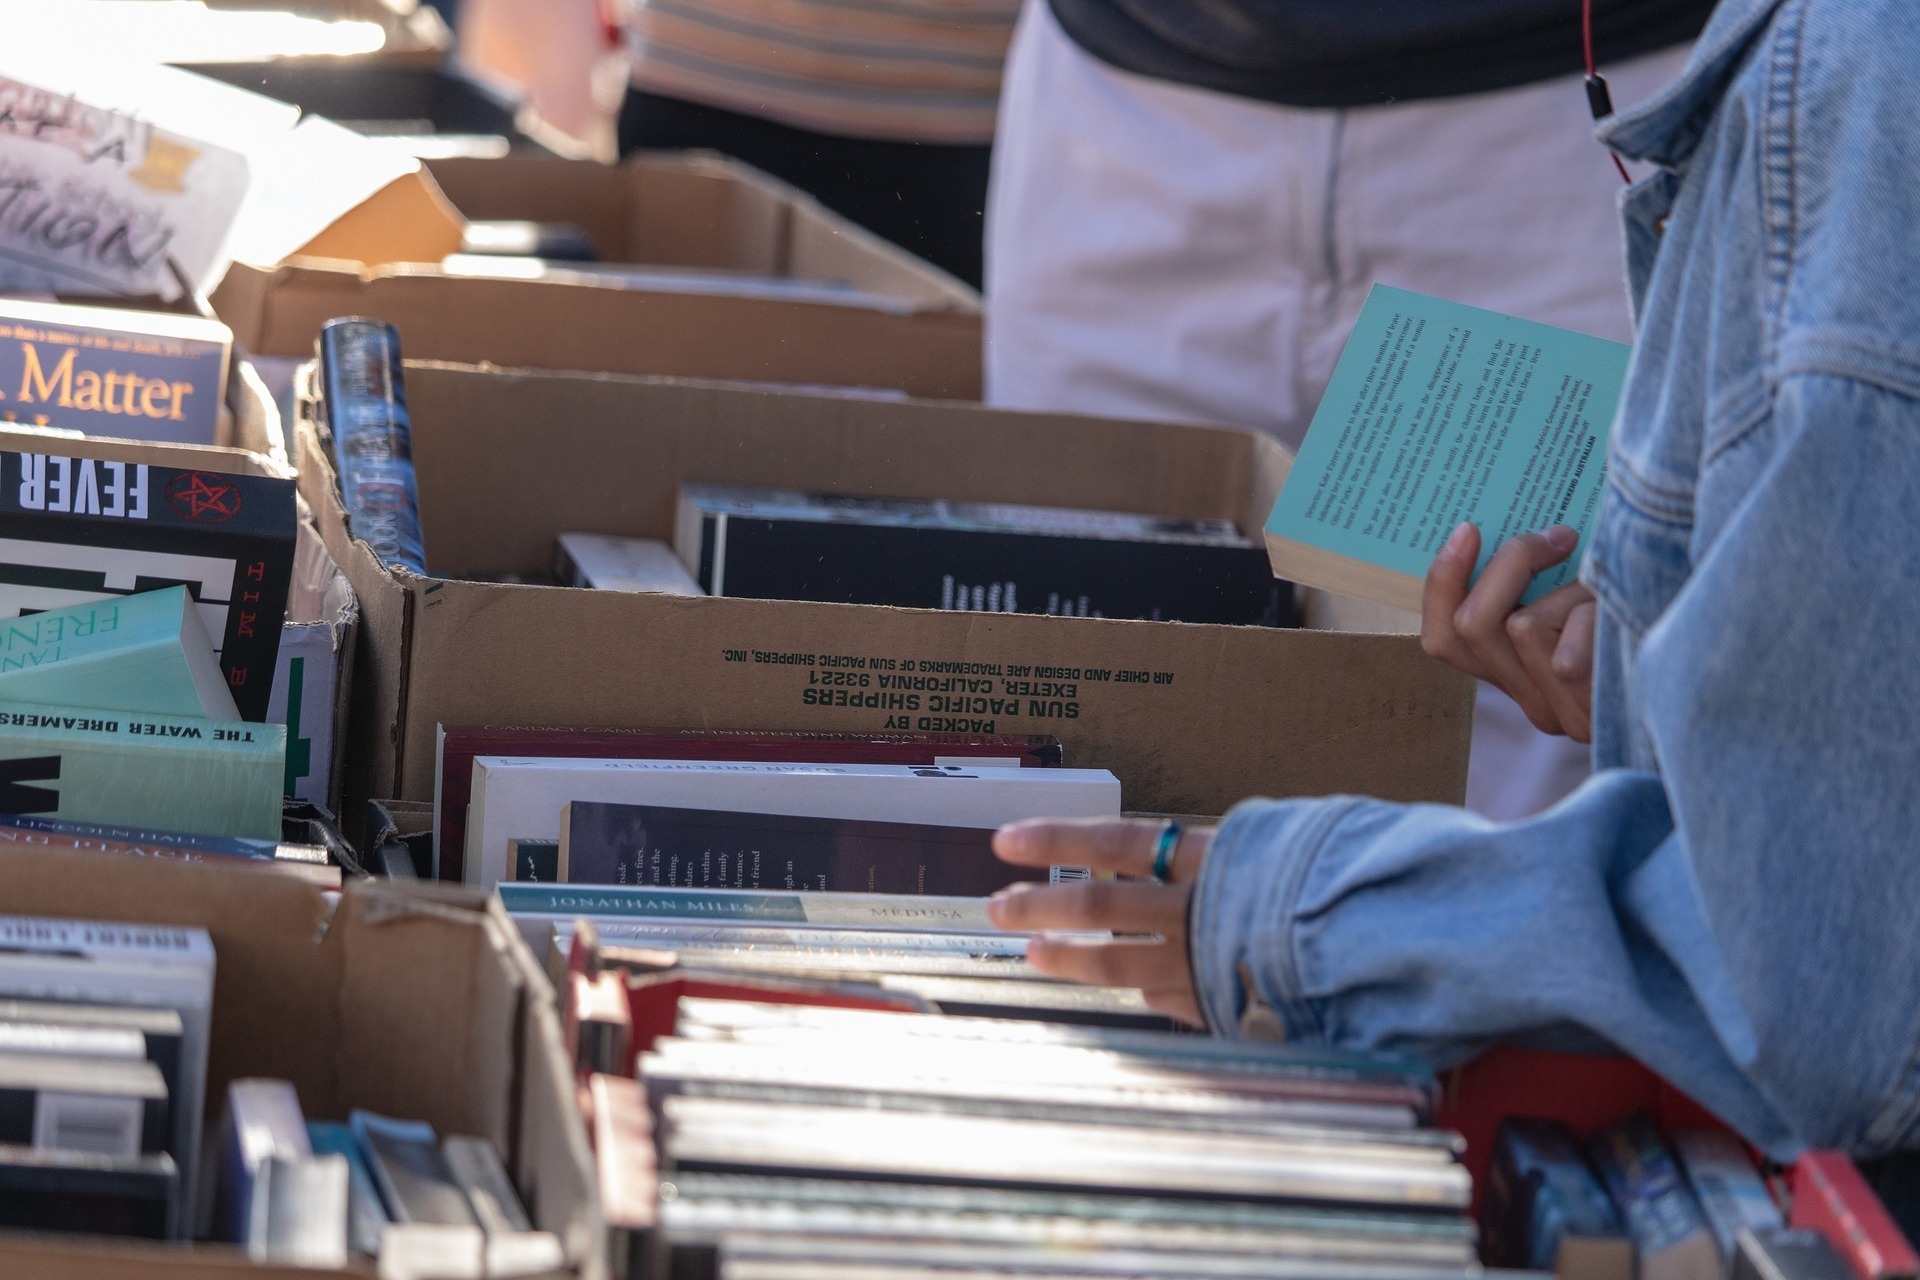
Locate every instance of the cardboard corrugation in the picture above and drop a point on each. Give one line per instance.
(509, 460)
(412, 1001)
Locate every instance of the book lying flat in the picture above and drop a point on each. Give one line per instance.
(520, 798)
(143, 652)
(770, 544)
(458, 745)
(1440, 413)
(639, 844)
(223, 777)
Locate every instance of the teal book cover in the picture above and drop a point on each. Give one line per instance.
(144, 652)
(1440, 413)
(175, 773)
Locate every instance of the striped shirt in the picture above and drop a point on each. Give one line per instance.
(900, 70)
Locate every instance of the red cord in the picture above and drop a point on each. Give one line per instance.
(1593, 73)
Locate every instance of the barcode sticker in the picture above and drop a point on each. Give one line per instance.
(1068, 875)
(101, 1126)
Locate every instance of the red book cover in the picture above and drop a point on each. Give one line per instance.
(1831, 1197)
(459, 744)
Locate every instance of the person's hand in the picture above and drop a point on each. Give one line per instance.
(1540, 655)
(1160, 969)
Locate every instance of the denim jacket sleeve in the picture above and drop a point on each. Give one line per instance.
(1744, 920)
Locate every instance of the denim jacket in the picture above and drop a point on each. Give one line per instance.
(1734, 897)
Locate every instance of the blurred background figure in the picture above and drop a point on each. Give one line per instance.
(563, 55)
(1191, 200)
(882, 109)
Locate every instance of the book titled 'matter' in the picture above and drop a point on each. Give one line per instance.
(143, 375)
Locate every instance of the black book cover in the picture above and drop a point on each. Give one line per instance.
(93, 1195)
(75, 529)
(996, 572)
(638, 844)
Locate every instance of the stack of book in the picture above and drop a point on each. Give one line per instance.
(103, 1068)
(807, 1141)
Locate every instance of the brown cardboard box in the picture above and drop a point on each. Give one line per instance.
(420, 1003)
(1191, 718)
(905, 327)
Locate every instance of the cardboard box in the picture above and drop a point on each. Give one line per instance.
(903, 326)
(696, 209)
(421, 1003)
(1191, 718)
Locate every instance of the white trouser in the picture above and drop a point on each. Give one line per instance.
(1158, 251)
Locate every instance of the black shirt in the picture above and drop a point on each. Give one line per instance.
(1351, 53)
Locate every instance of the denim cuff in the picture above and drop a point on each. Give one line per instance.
(1240, 923)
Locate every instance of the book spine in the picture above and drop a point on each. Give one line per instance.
(1540, 1196)
(1669, 1234)
(1731, 1193)
(366, 407)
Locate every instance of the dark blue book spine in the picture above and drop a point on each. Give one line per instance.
(365, 398)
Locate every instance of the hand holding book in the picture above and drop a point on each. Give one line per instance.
(1541, 654)
(1135, 906)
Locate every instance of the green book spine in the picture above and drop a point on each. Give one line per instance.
(146, 652)
(176, 773)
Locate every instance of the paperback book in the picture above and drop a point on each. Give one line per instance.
(1440, 413)
(459, 745)
(143, 652)
(171, 772)
(74, 530)
(109, 371)
(522, 798)
(630, 844)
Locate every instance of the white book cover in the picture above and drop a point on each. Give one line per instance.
(520, 798)
(141, 965)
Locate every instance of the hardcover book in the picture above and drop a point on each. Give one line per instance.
(222, 777)
(109, 371)
(458, 746)
(143, 652)
(778, 545)
(521, 798)
(1440, 413)
(630, 844)
(79, 529)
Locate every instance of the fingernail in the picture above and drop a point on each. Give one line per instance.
(1561, 538)
(1457, 539)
